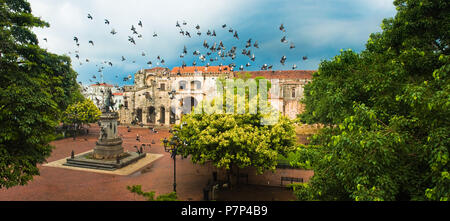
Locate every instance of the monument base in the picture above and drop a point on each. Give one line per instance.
(87, 160)
(108, 149)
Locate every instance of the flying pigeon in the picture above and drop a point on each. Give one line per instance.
(256, 44)
(89, 16)
(292, 46)
(283, 59)
(282, 28)
(106, 21)
(131, 39)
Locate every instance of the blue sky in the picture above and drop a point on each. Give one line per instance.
(318, 28)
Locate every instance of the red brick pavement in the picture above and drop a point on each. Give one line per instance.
(73, 185)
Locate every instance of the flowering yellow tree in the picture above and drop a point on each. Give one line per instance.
(80, 113)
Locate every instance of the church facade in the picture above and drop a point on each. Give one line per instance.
(160, 96)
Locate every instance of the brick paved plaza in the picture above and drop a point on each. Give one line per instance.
(75, 185)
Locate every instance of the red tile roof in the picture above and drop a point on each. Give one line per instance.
(156, 69)
(287, 74)
(120, 94)
(200, 69)
(103, 84)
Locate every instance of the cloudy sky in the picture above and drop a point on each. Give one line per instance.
(317, 28)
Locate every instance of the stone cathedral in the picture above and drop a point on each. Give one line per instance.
(160, 96)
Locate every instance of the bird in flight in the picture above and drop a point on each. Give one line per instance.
(113, 32)
(236, 35)
(304, 58)
(106, 21)
(131, 39)
(256, 44)
(89, 16)
(292, 46)
(45, 39)
(155, 35)
(140, 23)
(283, 39)
(123, 58)
(282, 28)
(283, 60)
(294, 66)
(75, 39)
(91, 42)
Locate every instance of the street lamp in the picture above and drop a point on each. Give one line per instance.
(172, 147)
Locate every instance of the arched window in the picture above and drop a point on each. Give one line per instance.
(196, 85)
(182, 85)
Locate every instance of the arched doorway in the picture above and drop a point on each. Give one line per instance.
(187, 104)
(151, 118)
(139, 115)
(172, 118)
(162, 117)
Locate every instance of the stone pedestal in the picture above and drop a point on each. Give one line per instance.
(109, 145)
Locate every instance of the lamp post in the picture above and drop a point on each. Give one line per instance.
(172, 147)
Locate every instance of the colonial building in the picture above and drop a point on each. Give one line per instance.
(97, 94)
(160, 96)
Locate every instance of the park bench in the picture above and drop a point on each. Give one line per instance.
(291, 179)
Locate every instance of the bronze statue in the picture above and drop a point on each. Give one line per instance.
(109, 102)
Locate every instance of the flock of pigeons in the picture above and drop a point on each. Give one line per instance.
(213, 51)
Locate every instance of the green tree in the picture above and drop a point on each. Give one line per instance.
(387, 111)
(236, 139)
(80, 113)
(35, 87)
(150, 196)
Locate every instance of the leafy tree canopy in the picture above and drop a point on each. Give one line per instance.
(237, 138)
(150, 196)
(35, 87)
(387, 111)
(80, 113)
